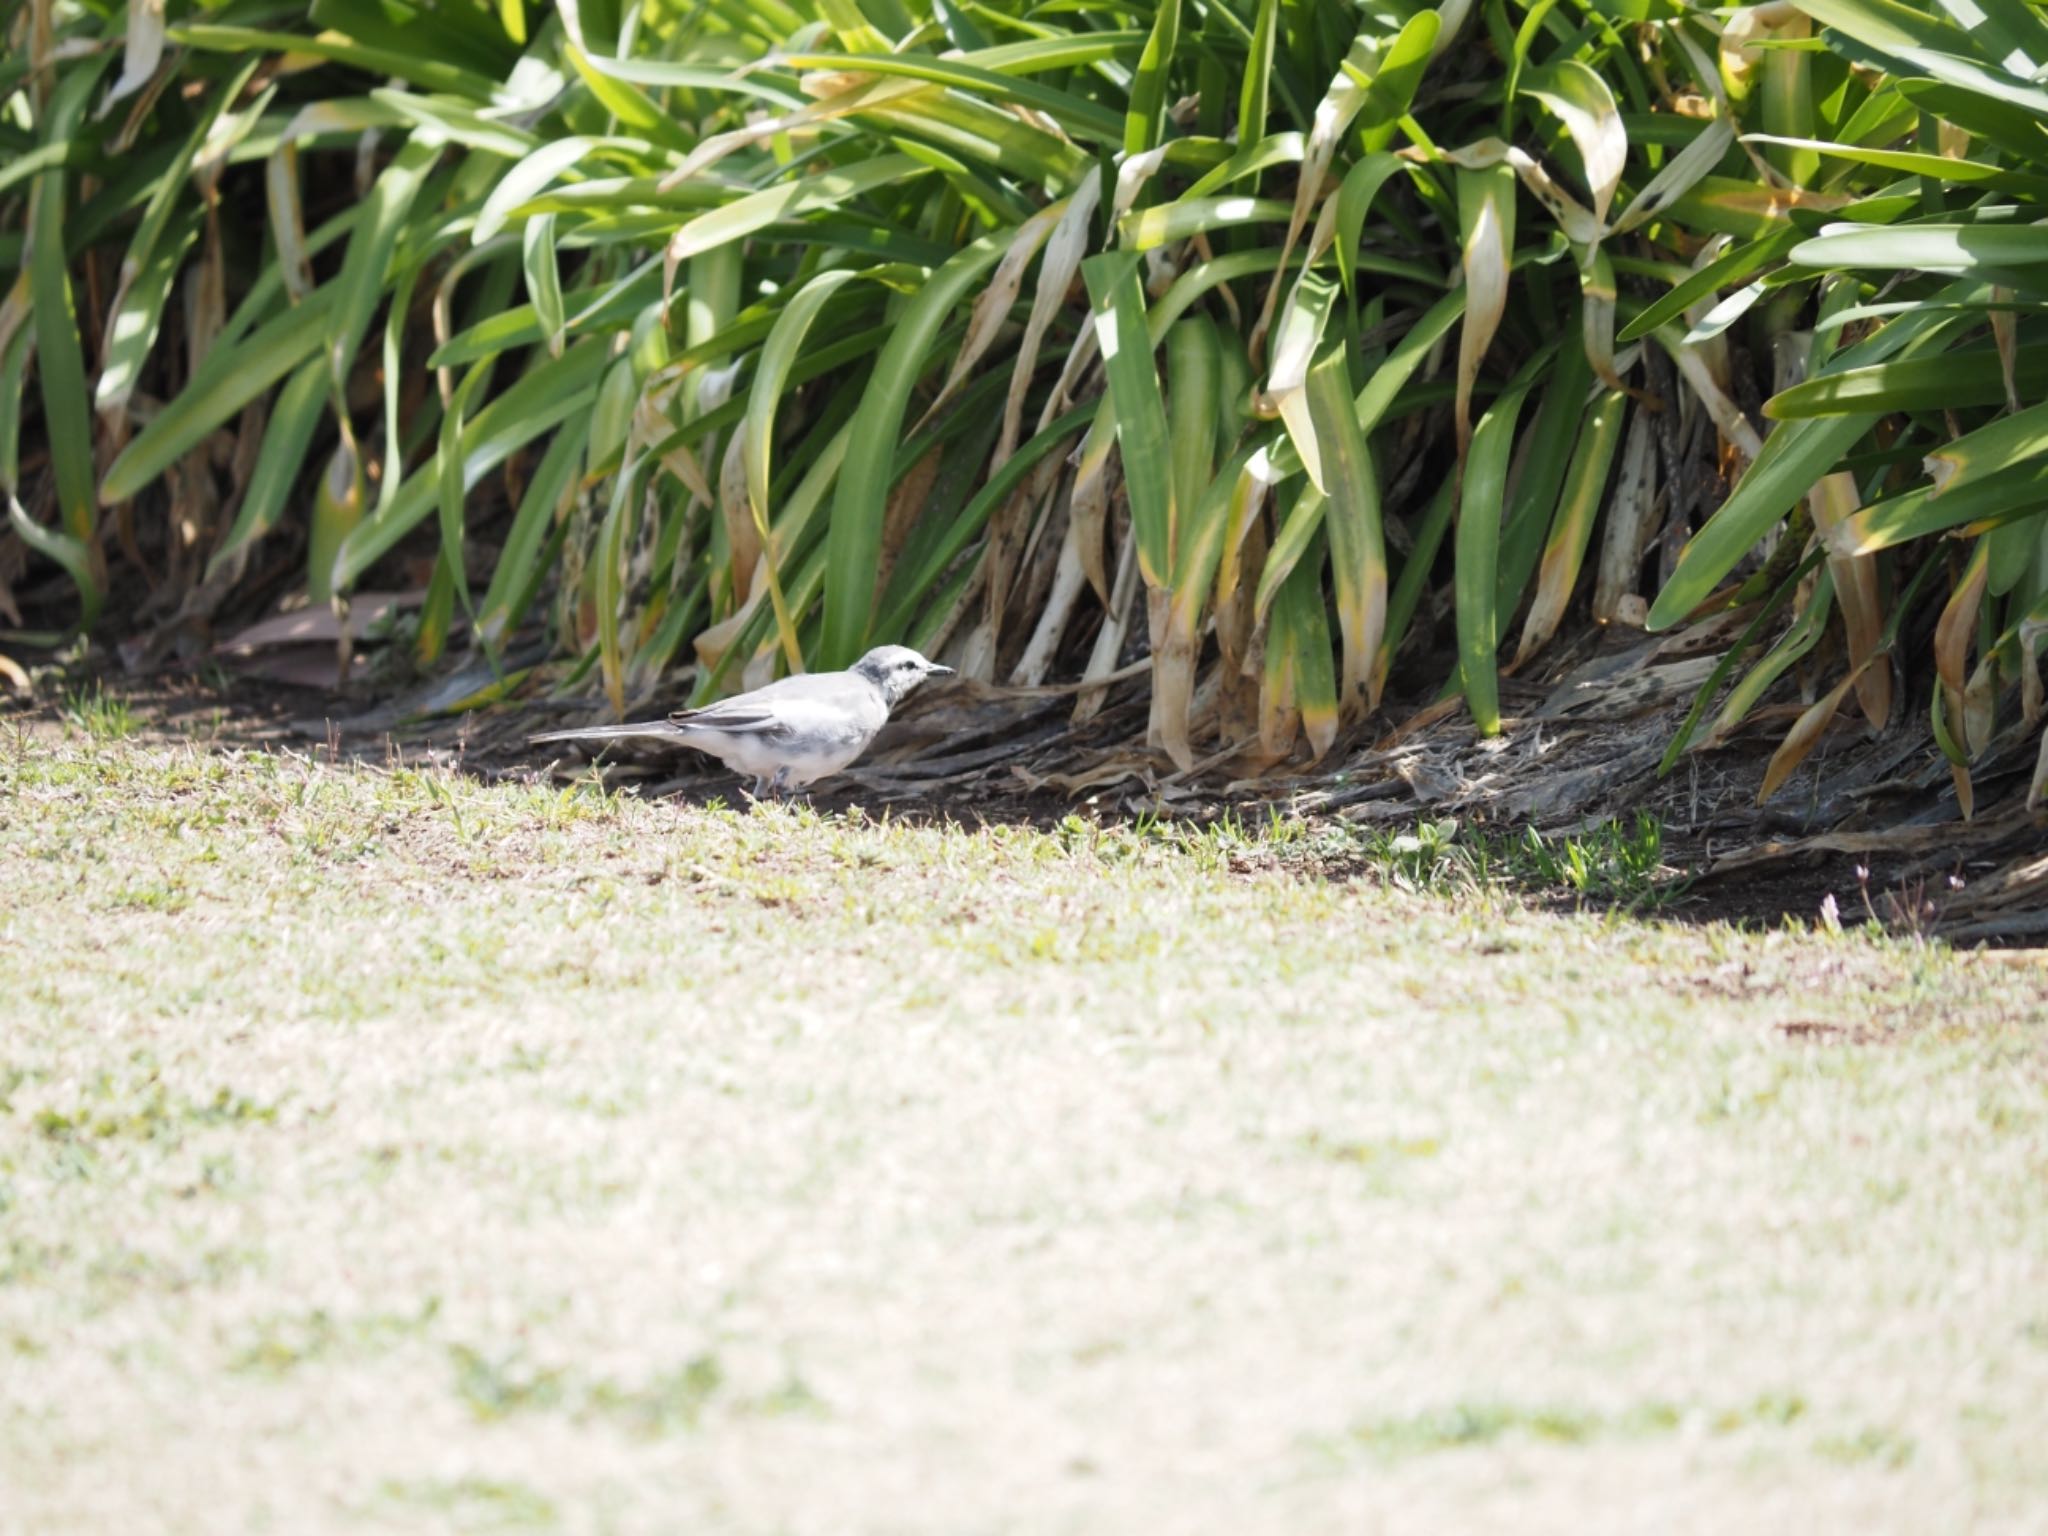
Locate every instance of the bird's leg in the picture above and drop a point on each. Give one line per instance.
(760, 790)
(779, 785)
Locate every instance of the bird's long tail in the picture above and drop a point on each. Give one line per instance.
(657, 730)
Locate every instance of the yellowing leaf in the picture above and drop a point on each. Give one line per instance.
(1486, 215)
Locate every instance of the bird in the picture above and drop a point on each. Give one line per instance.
(792, 732)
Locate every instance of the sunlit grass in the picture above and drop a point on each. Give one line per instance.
(386, 1145)
(99, 714)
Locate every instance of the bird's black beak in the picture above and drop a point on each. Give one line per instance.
(933, 669)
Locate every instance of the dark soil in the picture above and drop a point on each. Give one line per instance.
(1871, 821)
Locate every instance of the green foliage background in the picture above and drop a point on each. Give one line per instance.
(1252, 333)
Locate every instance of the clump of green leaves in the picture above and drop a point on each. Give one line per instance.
(741, 337)
(101, 715)
(1609, 864)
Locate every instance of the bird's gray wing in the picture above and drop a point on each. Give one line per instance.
(734, 717)
(780, 706)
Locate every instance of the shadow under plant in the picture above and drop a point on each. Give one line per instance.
(1566, 805)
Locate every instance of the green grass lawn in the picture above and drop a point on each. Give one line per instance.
(386, 1150)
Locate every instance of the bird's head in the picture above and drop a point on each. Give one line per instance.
(896, 669)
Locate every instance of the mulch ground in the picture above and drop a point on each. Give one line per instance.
(1871, 820)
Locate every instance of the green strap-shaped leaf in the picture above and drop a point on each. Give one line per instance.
(526, 181)
(985, 137)
(1117, 301)
(338, 498)
(629, 104)
(133, 327)
(170, 186)
(601, 306)
(1354, 202)
(1793, 459)
(450, 484)
(1475, 579)
(755, 212)
(13, 369)
(1258, 71)
(523, 562)
(368, 260)
(771, 376)
(1912, 163)
(1358, 554)
(1804, 634)
(455, 121)
(464, 34)
(664, 74)
(976, 73)
(557, 389)
(1229, 499)
(1299, 677)
(1145, 121)
(1951, 248)
(60, 360)
(397, 319)
(1297, 536)
(73, 556)
(1583, 103)
(1194, 373)
(1486, 224)
(1783, 100)
(1732, 266)
(1866, 33)
(855, 537)
(1956, 379)
(279, 462)
(1296, 340)
(437, 617)
(422, 69)
(229, 379)
(1985, 501)
(1279, 149)
(2010, 32)
(856, 33)
(1999, 445)
(1540, 476)
(1391, 90)
(45, 157)
(1392, 375)
(161, 238)
(1571, 524)
(611, 417)
(544, 280)
(1150, 227)
(757, 433)
(1752, 634)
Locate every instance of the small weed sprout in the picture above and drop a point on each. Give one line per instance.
(97, 713)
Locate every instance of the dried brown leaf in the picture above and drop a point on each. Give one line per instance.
(992, 309)
(1804, 736)
(1832, 502)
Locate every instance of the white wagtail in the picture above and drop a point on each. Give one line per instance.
(792, 732)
